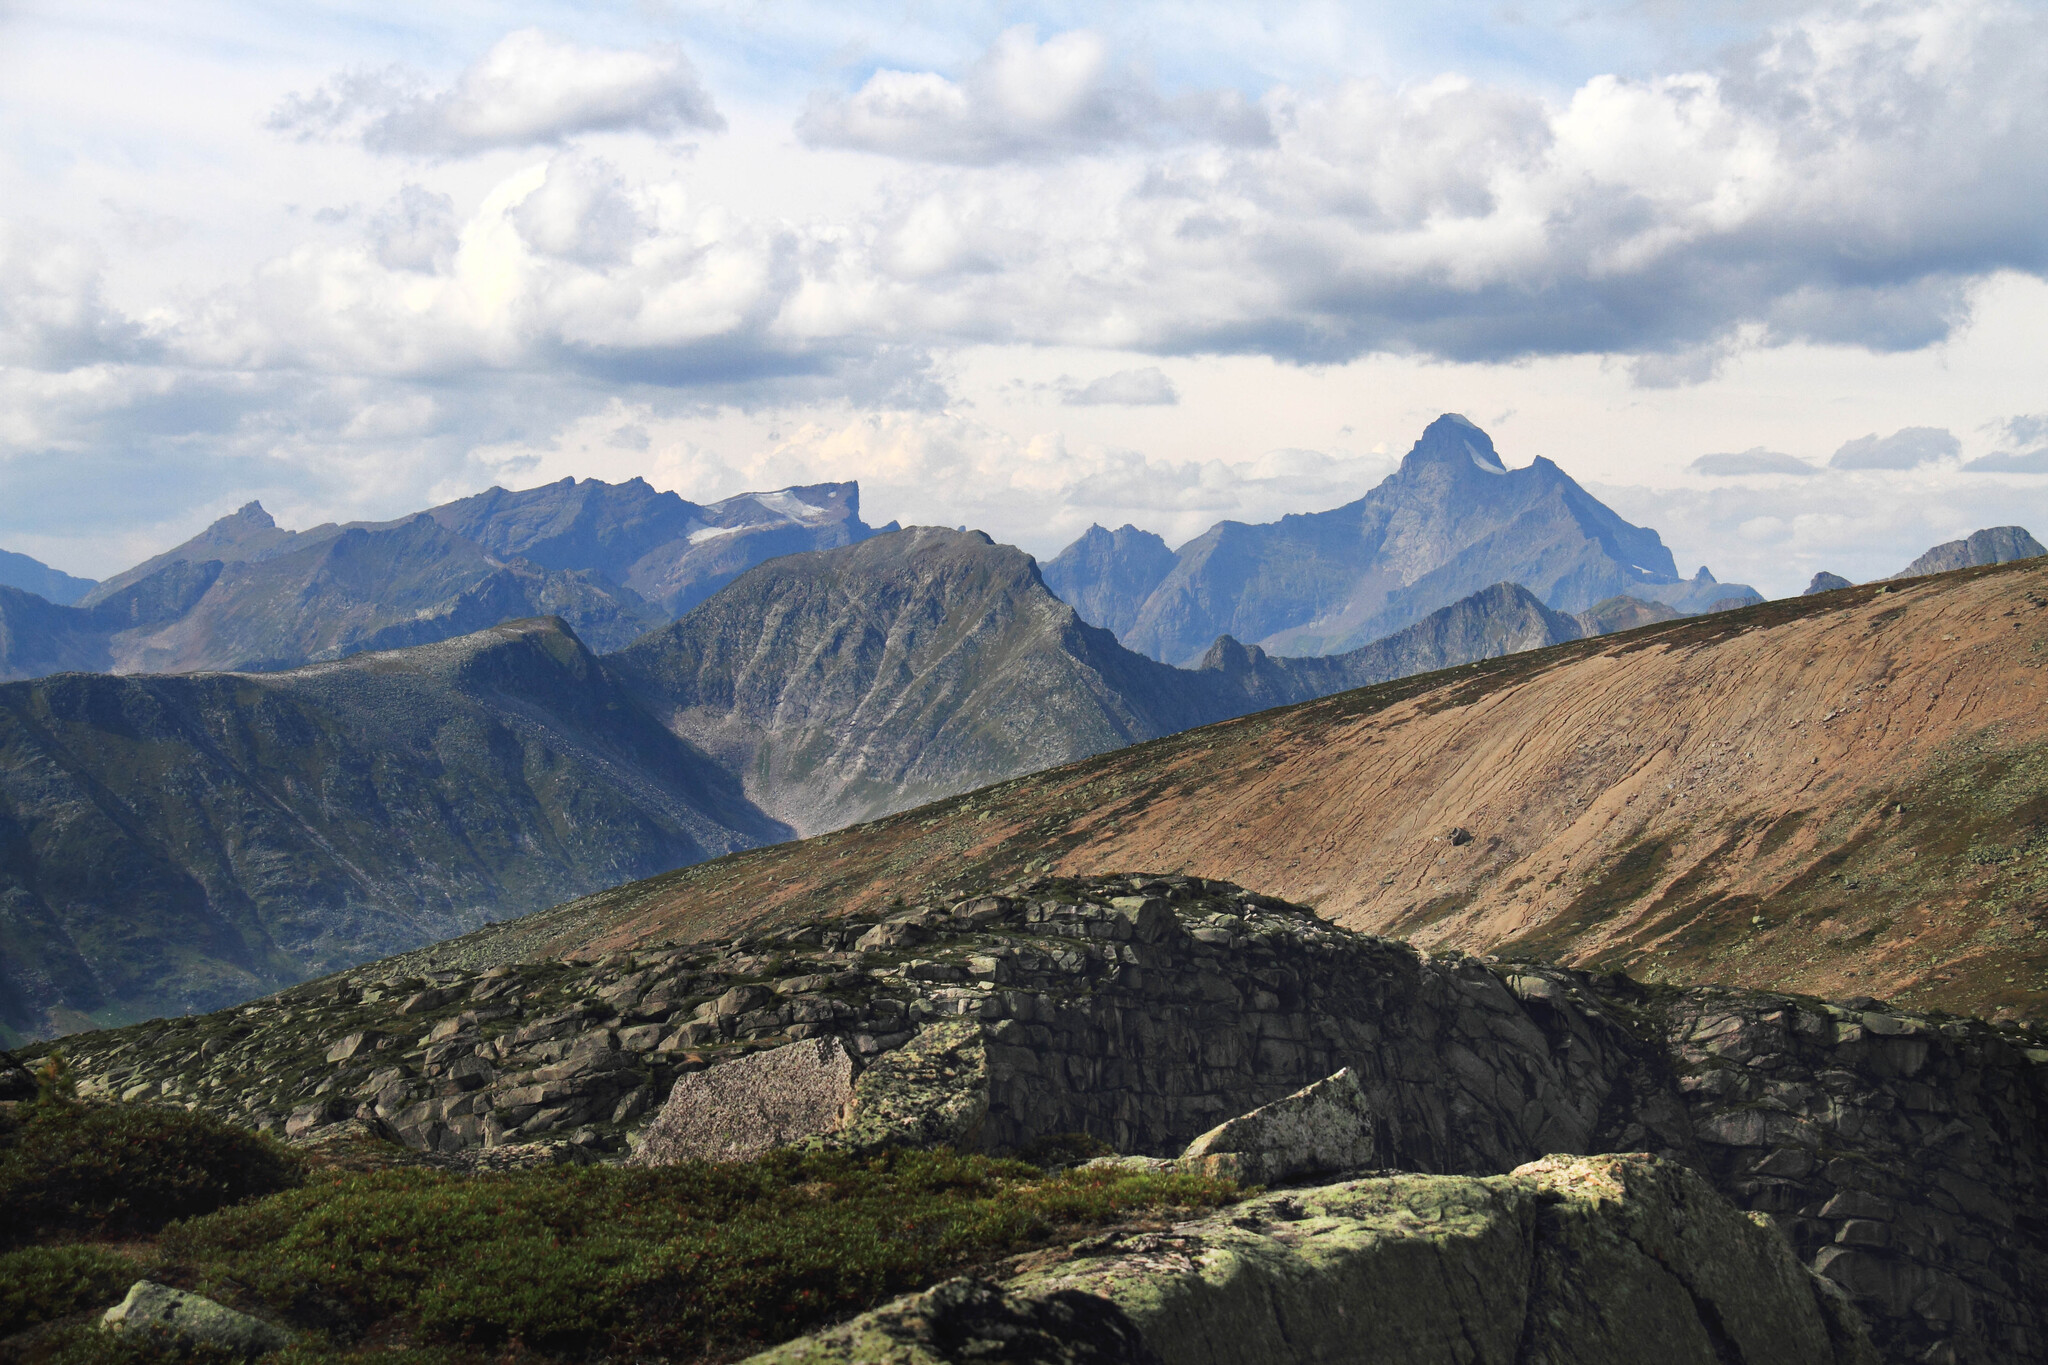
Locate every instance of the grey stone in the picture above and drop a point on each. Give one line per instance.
(1322, 1129)
(742, 1108)
(353, 1046)
(152, 1308)
(1569, 1260)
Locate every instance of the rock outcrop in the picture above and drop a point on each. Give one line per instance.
(1595, 1261)
(1903, 1155)
(1323, 1129)
(1993, 545)
(760, 1101)
(178, 1319)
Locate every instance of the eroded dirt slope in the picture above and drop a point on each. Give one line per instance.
(1843, 794)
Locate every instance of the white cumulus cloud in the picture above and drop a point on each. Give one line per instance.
(532, 88)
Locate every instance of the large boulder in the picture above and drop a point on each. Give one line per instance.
(745, 1107)
(1324, 1129)
(1586, 1260)
(188, 1320)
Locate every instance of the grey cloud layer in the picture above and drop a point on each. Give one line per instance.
(1905, 449)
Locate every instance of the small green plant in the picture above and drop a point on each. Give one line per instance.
(41, 1284)
(123, 1169)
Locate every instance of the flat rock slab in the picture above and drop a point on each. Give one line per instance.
(153, 1308)
(1323, 1129)
(739, 1110)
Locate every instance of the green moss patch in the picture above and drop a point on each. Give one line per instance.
(682, 1262)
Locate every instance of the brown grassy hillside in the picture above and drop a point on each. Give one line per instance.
(1843, 794)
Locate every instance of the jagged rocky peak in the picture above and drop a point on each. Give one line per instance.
(1186, 1003)
(1456, 439)
(1826, 582)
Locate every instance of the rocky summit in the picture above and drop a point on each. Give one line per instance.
(1902, 1155)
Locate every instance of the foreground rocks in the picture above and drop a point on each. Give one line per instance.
(1609, 1260)
(179, 1320)
(1902, 1154)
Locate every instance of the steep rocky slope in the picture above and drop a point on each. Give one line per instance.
(176, 843)
(1450, 521)
(852, 683)
(672, 552)
(1107, 575)
(1902, 1154)
(1838, 793)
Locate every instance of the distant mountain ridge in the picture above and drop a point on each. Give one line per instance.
(248, 594)
(1450, 521)
(170, 843)
(178, 842)
(32, 575)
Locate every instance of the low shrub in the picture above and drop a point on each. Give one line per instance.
(679, 1261)
(42, 1284)
(123, 1169)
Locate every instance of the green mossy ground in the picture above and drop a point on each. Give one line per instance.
(689, 1262)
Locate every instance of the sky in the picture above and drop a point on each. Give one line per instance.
(1771, 278)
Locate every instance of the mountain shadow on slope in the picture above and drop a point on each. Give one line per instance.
(1453, 519)
(172, 843)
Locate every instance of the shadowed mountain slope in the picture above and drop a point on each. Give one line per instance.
(177, 843)
(1834, 794)
(1107, 575)
(1450, 521)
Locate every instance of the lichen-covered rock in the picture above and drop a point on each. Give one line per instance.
(1561, 1263)
(975, 1320)
(742, 1109)
(1323, 1129)
(931, 1092)
(187, 1319)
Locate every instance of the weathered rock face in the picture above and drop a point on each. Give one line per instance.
(1617, 1259)
(1903, 1155)
(1326, 1128)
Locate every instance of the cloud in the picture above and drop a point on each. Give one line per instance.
(2006, 462)
(1023, 100)
(1133, 388)
(416, 231)
(53, 310)
(2027, 429)
(532, 88)
(1907, 448)
(1755, 460)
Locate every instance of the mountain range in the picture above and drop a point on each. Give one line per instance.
(248, 594)
(182, 841)
(1452, 519)
(1838, 795)
(492, 768)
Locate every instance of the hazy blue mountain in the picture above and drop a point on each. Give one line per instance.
(1698, 594)
(672, 552)
(1107, 575)
(299, 597)
(1826, 582)
(1452, 520)
(179, 843)
(32, 575)
(1994, 545)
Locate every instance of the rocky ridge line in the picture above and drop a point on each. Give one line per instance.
(1902, 1154)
